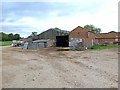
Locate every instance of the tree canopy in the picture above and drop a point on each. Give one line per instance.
(9, 37)
(33, 34)
(92, 28)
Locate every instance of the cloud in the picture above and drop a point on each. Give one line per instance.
(26, 17)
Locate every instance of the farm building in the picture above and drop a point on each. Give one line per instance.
(110, 37)
(82, 38)
(77, 38)
(49, 35)
(52, 33)
(36, 44)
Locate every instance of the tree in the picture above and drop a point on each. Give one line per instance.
(10, 36)
(33, 34)
(92, 28)
(0, 36)
(4, 37)
(16, 37)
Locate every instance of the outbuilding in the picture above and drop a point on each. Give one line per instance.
(36, 44)
(108, 38)
(81, 38)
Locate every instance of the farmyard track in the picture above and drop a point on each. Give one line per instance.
(48, 68)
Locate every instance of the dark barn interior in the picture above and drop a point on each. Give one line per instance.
(62, 41)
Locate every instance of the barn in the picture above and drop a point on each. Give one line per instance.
(108, 38)
(49, 36)
(52, 33)
(56, 35)
(82, 38)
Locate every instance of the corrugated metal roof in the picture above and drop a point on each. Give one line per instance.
(40, 41)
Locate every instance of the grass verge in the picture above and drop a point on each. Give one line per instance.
(98, 47)
(5, 43)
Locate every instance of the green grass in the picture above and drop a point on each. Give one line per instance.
(5, 43)
(97, 47)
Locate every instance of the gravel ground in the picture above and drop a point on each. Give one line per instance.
(49, 68)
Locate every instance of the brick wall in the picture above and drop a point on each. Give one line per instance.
(88, 38)
(106, 40)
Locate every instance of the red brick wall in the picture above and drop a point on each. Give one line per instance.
(106, 40)
(78, 33)
(86, 36)
(108, 37)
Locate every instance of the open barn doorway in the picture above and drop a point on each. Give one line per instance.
(62, 41)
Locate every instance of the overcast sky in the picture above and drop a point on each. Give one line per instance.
(26, 17)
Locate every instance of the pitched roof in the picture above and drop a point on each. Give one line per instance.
(55, 29)
(107, 35)
(37, 41)
(82, 28)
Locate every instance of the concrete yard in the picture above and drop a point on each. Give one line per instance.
(49, 68)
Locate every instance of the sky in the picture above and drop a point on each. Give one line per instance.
(25, 17)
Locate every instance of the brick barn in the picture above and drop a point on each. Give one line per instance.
(82, 38)
(110, 37)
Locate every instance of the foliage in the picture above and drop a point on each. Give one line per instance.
(16, 37)
(4, 37)
(33, 34)
(9, 37)
(92, 28)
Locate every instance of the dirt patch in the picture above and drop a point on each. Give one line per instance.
(33, 67)
(8, 77)
(48, 68)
